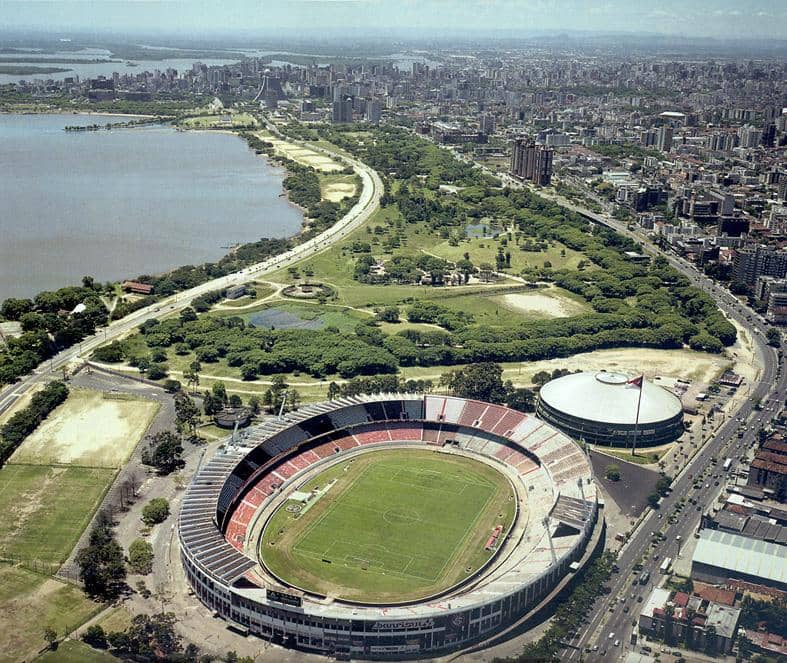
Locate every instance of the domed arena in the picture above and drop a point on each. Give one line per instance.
(387, 527)
(611, 409)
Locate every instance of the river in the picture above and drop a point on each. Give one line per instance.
(116, 204)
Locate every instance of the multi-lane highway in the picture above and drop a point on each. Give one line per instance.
(614, 614)
(368, 202)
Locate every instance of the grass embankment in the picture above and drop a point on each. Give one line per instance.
(395, 526)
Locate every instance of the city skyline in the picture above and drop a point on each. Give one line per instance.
(725, 19)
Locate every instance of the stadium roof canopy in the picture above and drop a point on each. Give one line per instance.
(740, 553)
(608, 398)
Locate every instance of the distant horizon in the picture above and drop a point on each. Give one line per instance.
(728, 20)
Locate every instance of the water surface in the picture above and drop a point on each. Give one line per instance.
(116, 204)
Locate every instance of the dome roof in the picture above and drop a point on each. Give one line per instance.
(608, 398)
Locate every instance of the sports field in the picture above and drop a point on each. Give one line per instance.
(396, 525)
(45, 509)
(89, 429)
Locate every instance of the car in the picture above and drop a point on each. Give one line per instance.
(639, 599)
(611, 635)
(616, 643)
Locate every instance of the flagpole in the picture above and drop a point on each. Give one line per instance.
(636, 420)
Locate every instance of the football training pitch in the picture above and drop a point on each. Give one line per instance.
(396, 525)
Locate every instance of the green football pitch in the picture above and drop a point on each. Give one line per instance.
(396, 525)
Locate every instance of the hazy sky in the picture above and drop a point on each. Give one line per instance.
(705, 18)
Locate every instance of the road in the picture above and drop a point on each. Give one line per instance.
(615, 613)
(368, 202)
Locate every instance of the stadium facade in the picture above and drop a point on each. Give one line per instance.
(605, 408)
(233, 494)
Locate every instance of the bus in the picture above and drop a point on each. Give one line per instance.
(727, 464)
(665, 565)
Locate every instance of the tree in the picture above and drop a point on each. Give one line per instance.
(50, 635)
(186, 413)
(541, 378)
(164, 452)
(653, 500)
(102, 568)
(388, 314)
(156, 371)
(95, 636)
(612, 472)
(156, 511)
(774, 337)
(482, 381)
(520, 398)
(140, 556)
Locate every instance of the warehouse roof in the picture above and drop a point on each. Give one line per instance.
(742, 554)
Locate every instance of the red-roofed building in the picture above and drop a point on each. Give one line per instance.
(137, 288)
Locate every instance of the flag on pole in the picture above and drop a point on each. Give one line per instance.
(637, 381)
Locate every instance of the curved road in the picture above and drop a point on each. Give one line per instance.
(368, 202)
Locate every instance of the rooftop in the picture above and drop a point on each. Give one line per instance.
(733, 552)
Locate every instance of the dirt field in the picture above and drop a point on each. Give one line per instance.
(303, 155)
(685, 364)
(539, 303)
(88, 430)
(338, 191)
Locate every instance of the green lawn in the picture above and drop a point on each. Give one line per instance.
(396, 525)
(45, 509)
(29, 603)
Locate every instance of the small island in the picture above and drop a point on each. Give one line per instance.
(25, 70)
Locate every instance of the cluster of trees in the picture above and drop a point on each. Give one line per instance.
(153, 638)
(48, 326)
(572, 611)
(484, 382)
(772, 613)
(377, 385)
(24, 422)
(256, 351)
(102, 566)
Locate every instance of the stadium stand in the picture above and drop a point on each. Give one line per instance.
(236, 484)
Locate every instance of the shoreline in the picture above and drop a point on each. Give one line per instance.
(272, 164)
(5, 111)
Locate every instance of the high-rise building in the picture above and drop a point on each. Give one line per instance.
(532, 162)
(373, 111)
(342, 111)
(751, 263)
(750, 136)
(664, 139)
(486, 124)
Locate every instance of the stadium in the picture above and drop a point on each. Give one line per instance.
(606, 408)
(389, 526)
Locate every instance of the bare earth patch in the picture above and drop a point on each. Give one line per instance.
(538, 303)
(338, 191)
(89, 430)
(303, 155)
(685, 364)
